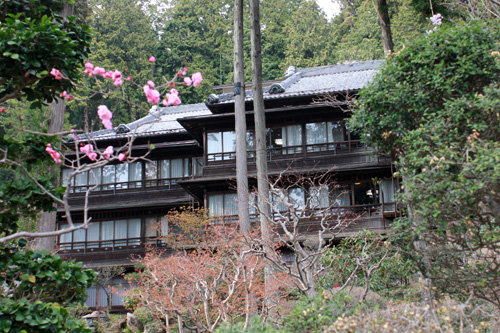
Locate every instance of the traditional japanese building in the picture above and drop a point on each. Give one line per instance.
(193, 163)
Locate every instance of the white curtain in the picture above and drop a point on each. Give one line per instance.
(93, 234)
(79, 236)
(65, 238)
(197, 166)
(107, 232)
(216, 204)
(292, 137)
(165, 170)
(230, 204)
(135, 174)
(387, 194)
(214, 145)
(134, 231)
(121, 232)
(151, 227)
(296, 197)
(177, 171)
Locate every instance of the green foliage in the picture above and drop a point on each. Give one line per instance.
(21, 196)
(414, 85)
(33, 40)
(37, 286)
(435, 107)
(370, 248)
(313, 314)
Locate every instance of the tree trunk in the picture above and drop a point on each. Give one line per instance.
(260, 121)
(260, 140)
(385, 25)
(240, 120)
(47, 220)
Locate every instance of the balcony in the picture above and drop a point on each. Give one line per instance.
(345, 154)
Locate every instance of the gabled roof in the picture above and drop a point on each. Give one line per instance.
(316, 80)
(161, 120)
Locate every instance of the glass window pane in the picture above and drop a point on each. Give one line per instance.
(65, 238)
(95, 177)
(151, 227)
(79, 236)
(177, 168)
(81, 182)
(336, 131)
(229, 141)
(214, 145)
(164, 225)
(151, 173)
(198, 166)
(319, 197)
(297, 197)
(134, 231)
(93, 235)
(341, 198)
(120, 229)
(65, 175)
(165, 169)
(121, 176)
(316, 135)
(135, 174)
(108, 176)
(230, 204)
(107, 232)
(250, 140)
(216, 204)
(187, 171)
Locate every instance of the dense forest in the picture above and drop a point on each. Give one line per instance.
(198, 34)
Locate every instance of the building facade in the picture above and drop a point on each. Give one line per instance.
(193, 164)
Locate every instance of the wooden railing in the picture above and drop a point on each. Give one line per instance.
(273, 153)
(164, 184)
(110, 245)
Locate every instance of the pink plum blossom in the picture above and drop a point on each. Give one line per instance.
(152, 59)
(108, 74)
(121, 156)
(172, 98)
(129, 78)
(54, 154)
(118, 82)
(100, 71)
(65, 95)
(197, 78)
(105, 115)
(3, 109)
(89, 68)
(151, 84)
(57, 74)
(152, 95)
(88, 149)
(108, 151)
(187, 81)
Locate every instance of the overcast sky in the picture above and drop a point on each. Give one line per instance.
(330, 7)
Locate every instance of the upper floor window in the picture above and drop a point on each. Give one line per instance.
(325, 135)
(284, 140)
(126, 176)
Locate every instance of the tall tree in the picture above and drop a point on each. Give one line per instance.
(123, 40)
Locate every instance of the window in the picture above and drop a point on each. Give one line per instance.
(221, 145)
(223, 204)
(103, 234)
(155, 227)
(324, 136)
(282, 137)
(295, 197)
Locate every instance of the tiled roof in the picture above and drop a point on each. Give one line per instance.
(318, 80)
(161, 120)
